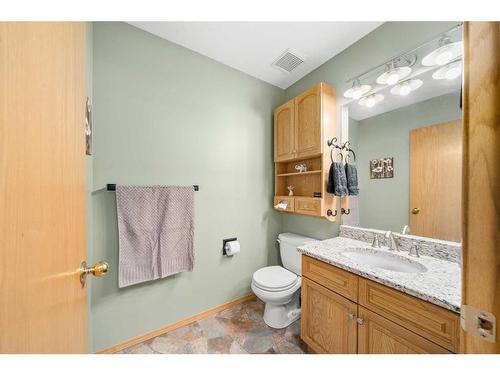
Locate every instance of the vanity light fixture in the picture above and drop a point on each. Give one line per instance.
(405, 87)
(450, 71)
(445, 53)
(357, 90)
(393, 74)
(370, 100)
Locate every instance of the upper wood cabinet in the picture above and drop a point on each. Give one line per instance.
(284, 132)
(302, 127)
(308, 123)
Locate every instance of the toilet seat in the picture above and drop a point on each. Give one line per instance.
(274, 279)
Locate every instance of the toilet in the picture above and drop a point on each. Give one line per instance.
(279, 287)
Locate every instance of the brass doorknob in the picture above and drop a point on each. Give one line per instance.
(415, 210)
(99, 269)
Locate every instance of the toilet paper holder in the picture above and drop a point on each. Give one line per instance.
(224, 246)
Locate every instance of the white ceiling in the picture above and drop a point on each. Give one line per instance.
(252, 47)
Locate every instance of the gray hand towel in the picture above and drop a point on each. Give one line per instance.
(337, 182)
(352, 179)
(155, 225)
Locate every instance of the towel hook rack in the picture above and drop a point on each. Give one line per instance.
(346, 212)
(331, 213)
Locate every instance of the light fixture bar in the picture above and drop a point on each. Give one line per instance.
(409, 52)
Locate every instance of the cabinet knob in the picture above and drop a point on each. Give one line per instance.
(360, 321)
(415, 211)
(350, 316)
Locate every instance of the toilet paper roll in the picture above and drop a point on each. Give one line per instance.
(232, 247)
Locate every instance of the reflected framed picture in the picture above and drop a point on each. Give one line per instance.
(382, 168)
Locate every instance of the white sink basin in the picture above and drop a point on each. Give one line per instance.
(379, 259)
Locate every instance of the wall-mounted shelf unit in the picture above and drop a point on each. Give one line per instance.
(302, 127)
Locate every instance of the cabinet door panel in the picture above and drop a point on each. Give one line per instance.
(327, 324)
(308, 122)
(284, 132)
(377, 335)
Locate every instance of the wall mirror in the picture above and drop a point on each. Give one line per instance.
(403, 119)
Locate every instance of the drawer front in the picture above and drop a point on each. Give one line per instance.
(290, 200)
(430, 321)
(308, 206)
(331, 277)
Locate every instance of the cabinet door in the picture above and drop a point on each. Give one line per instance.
(328, 322)
(284, 132)
(308, 123)
(377, 335)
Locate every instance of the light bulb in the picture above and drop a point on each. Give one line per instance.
(405, 89)
(453, 72)
(356, 94)
(392, 78)
(444, 56)
(370, 101)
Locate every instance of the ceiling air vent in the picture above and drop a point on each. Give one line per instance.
(288, 61)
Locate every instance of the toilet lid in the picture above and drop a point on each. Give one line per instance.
(274, 278)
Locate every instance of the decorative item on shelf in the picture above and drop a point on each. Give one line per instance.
(290, 190)
(382, 168)
(301, 167)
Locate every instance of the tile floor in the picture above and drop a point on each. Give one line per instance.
(239, 330)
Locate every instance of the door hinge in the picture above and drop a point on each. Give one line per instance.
(478, 322)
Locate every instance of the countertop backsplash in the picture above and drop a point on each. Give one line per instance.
(445, 250)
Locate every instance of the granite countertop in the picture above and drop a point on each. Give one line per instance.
(440, 284)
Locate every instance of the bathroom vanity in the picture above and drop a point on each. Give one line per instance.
(357, 299)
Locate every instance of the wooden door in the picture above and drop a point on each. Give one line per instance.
(328, 323)
(436, 181)
(378, 335)
(284, 132)
(481, 208)
(308, 123)
(42, 194)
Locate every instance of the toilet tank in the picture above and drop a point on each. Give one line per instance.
(290, 257)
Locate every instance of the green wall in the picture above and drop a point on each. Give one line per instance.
(388, 40)
(384, 203)
(166, 115)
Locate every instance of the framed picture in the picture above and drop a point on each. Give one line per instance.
(382, 168)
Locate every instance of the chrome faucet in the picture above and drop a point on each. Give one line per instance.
(391, 241)
(406, 230)
(414, 250)
(375, 242)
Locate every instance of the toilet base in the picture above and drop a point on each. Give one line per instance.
(281, 316)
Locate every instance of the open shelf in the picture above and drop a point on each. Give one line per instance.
(296, 173)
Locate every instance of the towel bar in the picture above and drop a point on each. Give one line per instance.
(112, 187)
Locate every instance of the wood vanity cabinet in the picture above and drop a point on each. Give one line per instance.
(302, 127)
(345, 313)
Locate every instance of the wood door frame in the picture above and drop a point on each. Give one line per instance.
(481, 178)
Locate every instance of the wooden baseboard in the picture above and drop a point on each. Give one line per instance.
(179, 324)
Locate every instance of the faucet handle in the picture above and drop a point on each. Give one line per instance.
(415, 250)
(375, 242)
